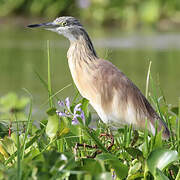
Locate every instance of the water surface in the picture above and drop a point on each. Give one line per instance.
(23, 51)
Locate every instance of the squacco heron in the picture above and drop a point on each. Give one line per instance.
(114, 97)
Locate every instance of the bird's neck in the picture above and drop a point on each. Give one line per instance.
(82, 49)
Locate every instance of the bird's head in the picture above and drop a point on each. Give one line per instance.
(68, 26)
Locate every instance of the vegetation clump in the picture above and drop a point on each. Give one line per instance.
(71, 143)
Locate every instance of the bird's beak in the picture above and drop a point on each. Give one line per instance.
(49, 25)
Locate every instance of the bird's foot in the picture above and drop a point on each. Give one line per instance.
(108, 136)
(98, 151)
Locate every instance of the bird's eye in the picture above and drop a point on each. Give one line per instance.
(64, 23)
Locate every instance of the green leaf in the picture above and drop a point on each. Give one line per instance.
(137, 175)
(159, 175)
(3, 130)
(49, 77)
(52, 126)
(175, 110)
(51, 111)
(28, 144)
(158, 141)
(134, 152)
(34, 152)
(3, 151)
(9, 145)
(103, 176)
(106, 157)
(160, 158)
(121, 169)
(135, 167)
(87, 114)
(91, 166)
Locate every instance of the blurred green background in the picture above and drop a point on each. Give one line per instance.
(126, 13)
(129, 33)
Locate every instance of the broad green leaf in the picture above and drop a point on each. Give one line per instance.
(135, 167)
(9, 145)
(3, 130)
(159, 175)
(34, 139)
(120, 169)
(52, 126)
(64, 131)
(137, 175)
(3, 151)
(175, 110)
(91, 166)
(51, 111)
(103, 176)
(160, 158)
(33, 153)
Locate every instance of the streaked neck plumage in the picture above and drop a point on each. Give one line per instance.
(81, 47)
(82, 60)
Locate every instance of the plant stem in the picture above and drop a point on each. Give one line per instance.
(178, 129)
(49, 77)
(28, 126)
(178, 175)
(18, 151)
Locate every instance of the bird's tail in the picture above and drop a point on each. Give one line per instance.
(161, 126)
(166, 132)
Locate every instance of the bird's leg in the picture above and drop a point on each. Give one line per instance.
(95, 154)
(88, 146)
(110, 136)
(106, 135)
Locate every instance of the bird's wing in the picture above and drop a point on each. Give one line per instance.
(113, 81)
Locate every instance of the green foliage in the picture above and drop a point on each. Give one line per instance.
(59, 149)
(52, 125)
(11, 103)
(120, 169)
(159, 159)
(126, 13)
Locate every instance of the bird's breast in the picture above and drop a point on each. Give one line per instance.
(101, 95)
(83, 78)
(105, 99)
